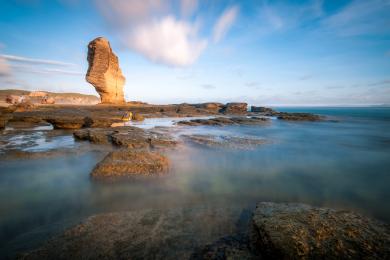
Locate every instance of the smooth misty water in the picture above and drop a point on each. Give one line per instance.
(343, 165)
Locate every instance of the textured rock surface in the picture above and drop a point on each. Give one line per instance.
(298, 231)
(130, 164)
(146, 234)
(298, 116)
(221, 121)
(235, 108)
(126, 137)
(104, 72)
(273, 231)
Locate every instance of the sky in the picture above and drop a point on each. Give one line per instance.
(293, 52)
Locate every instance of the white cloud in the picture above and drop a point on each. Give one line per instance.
(224, 23)
(35, 61)
(4, 67)
(150, 28)
(168, 41)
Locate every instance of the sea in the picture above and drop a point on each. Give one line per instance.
(342, 162)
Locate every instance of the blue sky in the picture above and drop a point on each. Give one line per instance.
(313, 52)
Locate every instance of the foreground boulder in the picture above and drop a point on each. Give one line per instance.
(130, 164)
(298, 231)
(272, 231)
(104, 72)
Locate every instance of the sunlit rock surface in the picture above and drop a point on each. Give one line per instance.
(104, 72)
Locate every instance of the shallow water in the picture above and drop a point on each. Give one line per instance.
(343, 164)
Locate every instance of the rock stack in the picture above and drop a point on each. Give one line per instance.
(104, 72)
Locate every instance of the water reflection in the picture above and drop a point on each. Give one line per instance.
(342, 165)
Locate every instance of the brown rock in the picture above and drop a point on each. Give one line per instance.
(130, 163)
(235, 108)
(137, 117)
(104, 72)
(299, 231)
(222, 121)
(298, 116)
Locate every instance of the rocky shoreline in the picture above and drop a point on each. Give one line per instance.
(271, 231)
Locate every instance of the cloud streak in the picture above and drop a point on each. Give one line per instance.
(224, 23)
(4, 68)
(21, 59)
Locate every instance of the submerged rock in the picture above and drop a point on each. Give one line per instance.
(231, 142)
(298, 116)
(144, 234)
(299, 231)
(273, 231)
(104, 72)
(130, 163)
(262, 109)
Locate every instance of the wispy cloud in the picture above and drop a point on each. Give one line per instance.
(280, 16)
(361, 17)
(188, 7)
(13, 58)
(4, 68)
(42, 70)
(224, 23)
(208, 86)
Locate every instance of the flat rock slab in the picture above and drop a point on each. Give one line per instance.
(298, 116)
(126, 137)
(124, 164)
(230, 142)
(222, 121)
(298, 231)
(145, 234)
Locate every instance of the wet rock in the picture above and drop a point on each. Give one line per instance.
(235, 108)
(298, 116)
(104, 72)
(5, 116)
(137, 117)
(298, 231)
(130, 164)
(232, 142)
(262, 109)
(230, 247)
(126, 137)
(144, 234)
(221, 121)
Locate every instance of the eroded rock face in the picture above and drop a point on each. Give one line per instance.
(235, 108)
(299, 231)
(104, 72)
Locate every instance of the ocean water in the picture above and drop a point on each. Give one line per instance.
(343, 163)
